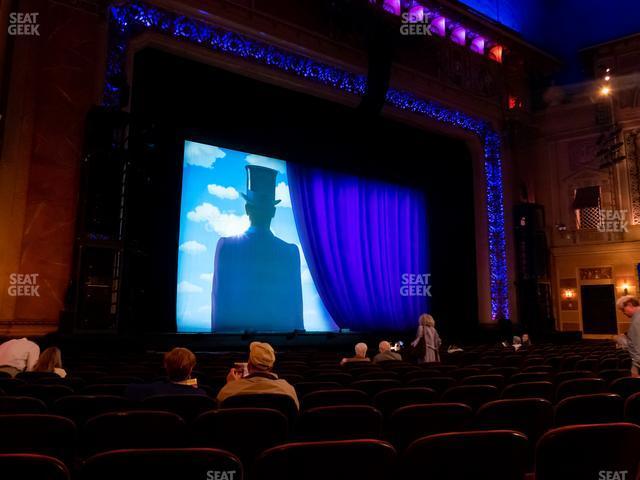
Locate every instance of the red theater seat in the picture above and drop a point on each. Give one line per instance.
(625, 387)
(243, 431)
(282, 403)
(583, 451)
(33, 467)
(372, 387)
(580, 386)
(410, 423)
(340, 423)
(38, 433)
(335, 460)
(387, 401)
(591, 408)
(133, 429)
(80, 408)
(163, 464)
(493, 454)
(529, 390)
(11, 404)
(186, 406)
(472, 395)
(327, 398)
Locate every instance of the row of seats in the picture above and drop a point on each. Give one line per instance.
(576, 452)
(247, 430)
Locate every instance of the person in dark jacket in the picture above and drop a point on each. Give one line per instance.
(179, 364)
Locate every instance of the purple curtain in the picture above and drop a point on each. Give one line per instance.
(362, 239)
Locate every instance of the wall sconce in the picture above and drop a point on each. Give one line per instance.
(568, 294)
(625, 287)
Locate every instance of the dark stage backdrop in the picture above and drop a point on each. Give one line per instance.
(174, 99)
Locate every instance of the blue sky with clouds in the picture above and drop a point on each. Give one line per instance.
(211, 208)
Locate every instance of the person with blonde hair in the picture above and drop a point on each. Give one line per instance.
(630, 307)
(360, 356)
(427, 338)
(50, 361)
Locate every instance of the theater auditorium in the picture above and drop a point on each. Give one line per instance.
(319, 239)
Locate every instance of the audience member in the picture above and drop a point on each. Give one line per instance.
(386, 353)
(260, 378)
(179, 364)
(428, 334)
(18, 355)
(360, 356)
(630, 307)
(50, 361)
(621, 341)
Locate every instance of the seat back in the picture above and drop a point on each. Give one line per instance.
(337, 460)
(580, 386)
(494, 454)
(38, 433)
(529, 390)
(487, 379)
(632, 409)
(47, 393)
(412, 422)
(163, 464)
(590, 408)
(12, 404)
(132, 429)
(625, 387)
(583, 451)
(472, 395)
(327, 398)
(387, 401)
(282, 403)
(82, 407)
(340, 423)
(437, 383)
(372, 387)
(186, 406)
(245, 432)
(33, 466)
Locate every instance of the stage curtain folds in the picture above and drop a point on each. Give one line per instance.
(359, 237)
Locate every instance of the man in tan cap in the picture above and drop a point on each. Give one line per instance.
(260, 379)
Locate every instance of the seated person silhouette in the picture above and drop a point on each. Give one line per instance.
(256, 277)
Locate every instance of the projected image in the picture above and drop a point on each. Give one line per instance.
(241, 266)
(267, 246)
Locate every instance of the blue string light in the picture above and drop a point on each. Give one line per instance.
(130, 19)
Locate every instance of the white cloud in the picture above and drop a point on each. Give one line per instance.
(188, 287)
(224, 224)
(207, 277)
(205, 308)
(192, 247)
(201, 155)
(282, 193)
(227, 193)
(269, 162)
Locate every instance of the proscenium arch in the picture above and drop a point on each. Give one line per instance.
(130, 20)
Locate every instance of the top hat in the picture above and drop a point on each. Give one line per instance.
(261, 186)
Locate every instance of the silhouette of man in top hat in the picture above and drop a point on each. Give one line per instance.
(256, 280)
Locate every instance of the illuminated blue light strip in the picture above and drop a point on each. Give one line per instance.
(131, 19)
